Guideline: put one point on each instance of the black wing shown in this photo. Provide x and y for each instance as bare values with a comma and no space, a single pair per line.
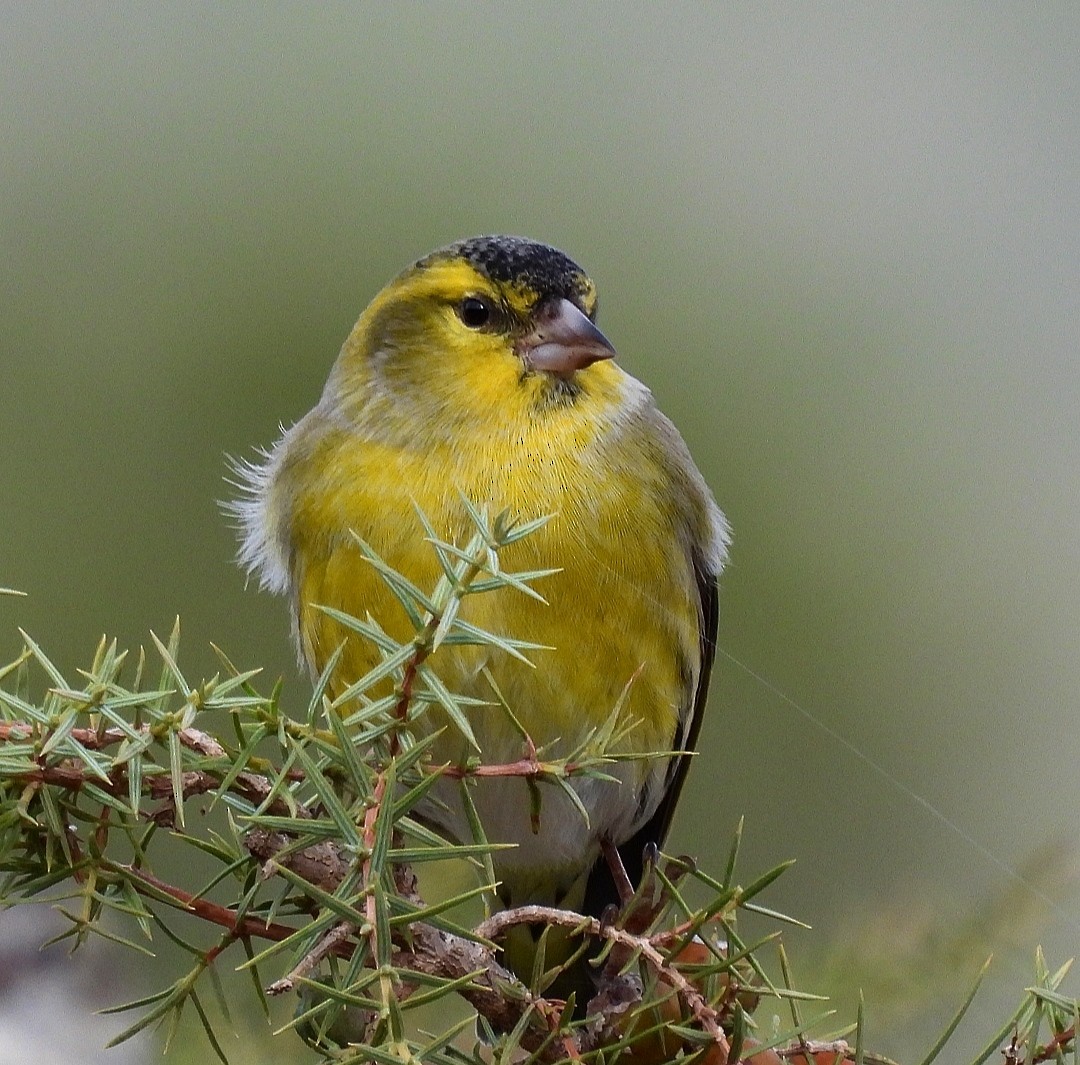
600,887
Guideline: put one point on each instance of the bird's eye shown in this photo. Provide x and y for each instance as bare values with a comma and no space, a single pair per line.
475,312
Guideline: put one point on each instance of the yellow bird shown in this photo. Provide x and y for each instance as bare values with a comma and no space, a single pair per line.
480,371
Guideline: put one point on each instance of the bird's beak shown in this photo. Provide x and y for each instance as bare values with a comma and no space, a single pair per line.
563,340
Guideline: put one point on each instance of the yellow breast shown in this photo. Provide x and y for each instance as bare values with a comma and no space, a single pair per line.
623,601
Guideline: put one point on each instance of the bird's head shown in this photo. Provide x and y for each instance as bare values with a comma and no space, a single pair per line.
483,325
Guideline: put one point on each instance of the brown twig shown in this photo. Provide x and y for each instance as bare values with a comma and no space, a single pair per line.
91,739
334,942
145,883
318,863
690,996
495,992
371,815
434,952
523,767
341,932
1055,1046
72,775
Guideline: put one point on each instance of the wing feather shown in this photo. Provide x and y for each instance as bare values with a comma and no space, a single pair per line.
600,888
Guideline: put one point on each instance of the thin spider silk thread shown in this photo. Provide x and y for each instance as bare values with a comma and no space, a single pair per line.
906,790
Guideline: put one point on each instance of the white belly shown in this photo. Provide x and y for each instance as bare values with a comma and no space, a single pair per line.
554,845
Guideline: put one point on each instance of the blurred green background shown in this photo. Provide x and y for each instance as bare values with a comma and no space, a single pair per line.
841,246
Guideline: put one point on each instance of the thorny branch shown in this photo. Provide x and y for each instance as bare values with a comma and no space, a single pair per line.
690,996
72,775
430,950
